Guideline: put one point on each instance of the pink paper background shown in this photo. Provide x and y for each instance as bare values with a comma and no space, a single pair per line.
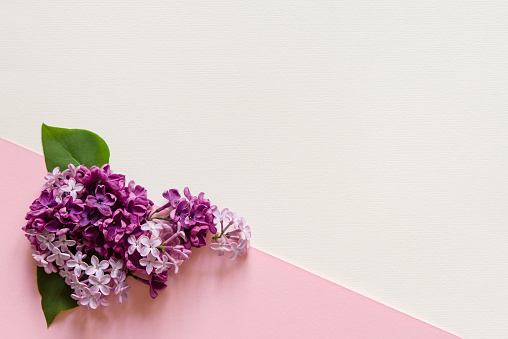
258,296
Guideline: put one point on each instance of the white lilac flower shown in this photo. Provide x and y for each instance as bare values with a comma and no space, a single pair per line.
152,226
121,290
72,188
51,177
40,258
58,256
92,299
221,246
166,264
100,283
219,216
244,231
96,267
174,255
69,173
177,264
79,293
235,218
116,268
135,244
58,197
65,273
50,268
150,262
78,263
75,284
63,242
120,278
237,249
150,246
45,242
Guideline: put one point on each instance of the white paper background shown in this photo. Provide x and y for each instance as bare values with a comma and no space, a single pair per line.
363,141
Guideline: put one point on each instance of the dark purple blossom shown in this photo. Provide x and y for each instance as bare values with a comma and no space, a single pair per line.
71,210
89,216
45,201
193,214
114,227
102,201
57,227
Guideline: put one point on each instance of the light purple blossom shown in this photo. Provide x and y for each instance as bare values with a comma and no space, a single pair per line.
221,217
152,226
237,240
46,241
150,246
77,263
121,290
99,282
135,244
150,262
166,264
243,231
75,284
235,218
40,258
237,249
96,267
65,273
51,178
72,188
90,298
116,268
221,246
69,172
63,242
50,268
58,257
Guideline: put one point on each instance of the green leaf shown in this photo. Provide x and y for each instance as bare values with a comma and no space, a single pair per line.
72,146
55,293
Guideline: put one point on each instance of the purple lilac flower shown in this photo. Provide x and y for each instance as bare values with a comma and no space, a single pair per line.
83,209
102,200
44,203
114,227
193,214
57,227
89,216
91,209
71,210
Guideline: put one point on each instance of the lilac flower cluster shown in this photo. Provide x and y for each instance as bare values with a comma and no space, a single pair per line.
236,241
87,212
95,231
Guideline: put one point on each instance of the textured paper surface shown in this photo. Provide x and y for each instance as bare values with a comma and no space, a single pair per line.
384,123
258,296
